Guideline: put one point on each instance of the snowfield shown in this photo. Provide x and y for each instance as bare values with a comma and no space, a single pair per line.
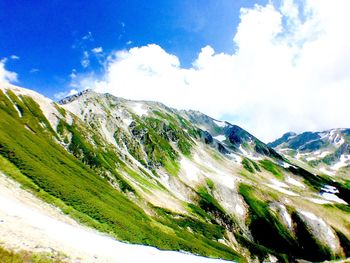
30,224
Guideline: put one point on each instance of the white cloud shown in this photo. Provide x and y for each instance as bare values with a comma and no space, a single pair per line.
14,57
97,50
290,71
85,61
6,75
88,36
34,70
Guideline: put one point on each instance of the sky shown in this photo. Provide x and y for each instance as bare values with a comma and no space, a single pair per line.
268,66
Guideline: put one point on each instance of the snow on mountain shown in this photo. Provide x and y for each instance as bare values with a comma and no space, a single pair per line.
327,151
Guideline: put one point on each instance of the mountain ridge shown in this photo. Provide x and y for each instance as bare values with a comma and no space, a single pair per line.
326,151
153,175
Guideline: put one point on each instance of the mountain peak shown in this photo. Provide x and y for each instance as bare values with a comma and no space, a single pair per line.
87,92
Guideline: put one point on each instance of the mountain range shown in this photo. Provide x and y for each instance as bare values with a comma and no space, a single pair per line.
180,180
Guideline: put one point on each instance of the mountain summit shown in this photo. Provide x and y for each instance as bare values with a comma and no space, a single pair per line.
178,180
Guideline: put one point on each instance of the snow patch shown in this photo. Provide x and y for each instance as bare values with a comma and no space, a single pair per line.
322,229
294,182
344,161
220,138
282,190
19,112
243,150
239,209
286,216
278,183
324,154
313,217
318,201
221,124
312,158
286,165
139,109
333,197
330,189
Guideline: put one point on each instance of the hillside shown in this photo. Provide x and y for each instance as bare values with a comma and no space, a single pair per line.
177,180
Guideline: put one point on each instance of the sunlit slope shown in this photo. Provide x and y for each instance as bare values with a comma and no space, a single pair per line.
177,180
30,143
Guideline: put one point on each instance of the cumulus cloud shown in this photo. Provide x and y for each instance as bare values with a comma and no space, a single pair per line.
6,75
290,71
97,50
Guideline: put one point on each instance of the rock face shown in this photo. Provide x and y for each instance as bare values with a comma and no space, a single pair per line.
177,180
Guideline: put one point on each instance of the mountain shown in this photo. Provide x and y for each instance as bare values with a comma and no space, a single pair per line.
327,151
178,180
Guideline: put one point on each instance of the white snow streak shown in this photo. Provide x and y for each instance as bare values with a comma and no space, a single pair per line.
333,197
221,124
220,138
294,182
344,161
282,190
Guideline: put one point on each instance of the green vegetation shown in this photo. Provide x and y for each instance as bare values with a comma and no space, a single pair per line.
206,234
210,184
272,168
60,110
196,210
312,249
273,237
246,165
269,233
208,203
7,256
256,166
101,159
78,183
250,165
154,137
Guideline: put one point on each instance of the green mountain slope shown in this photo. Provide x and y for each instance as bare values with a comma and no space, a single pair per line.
149,174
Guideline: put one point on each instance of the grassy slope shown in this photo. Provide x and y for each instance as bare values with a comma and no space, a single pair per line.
7,256
53,173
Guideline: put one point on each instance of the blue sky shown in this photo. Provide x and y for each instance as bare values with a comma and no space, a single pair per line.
270,66
50,37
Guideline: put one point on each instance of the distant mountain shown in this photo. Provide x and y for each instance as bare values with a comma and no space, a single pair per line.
178,180
231,137
327,151
281,140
